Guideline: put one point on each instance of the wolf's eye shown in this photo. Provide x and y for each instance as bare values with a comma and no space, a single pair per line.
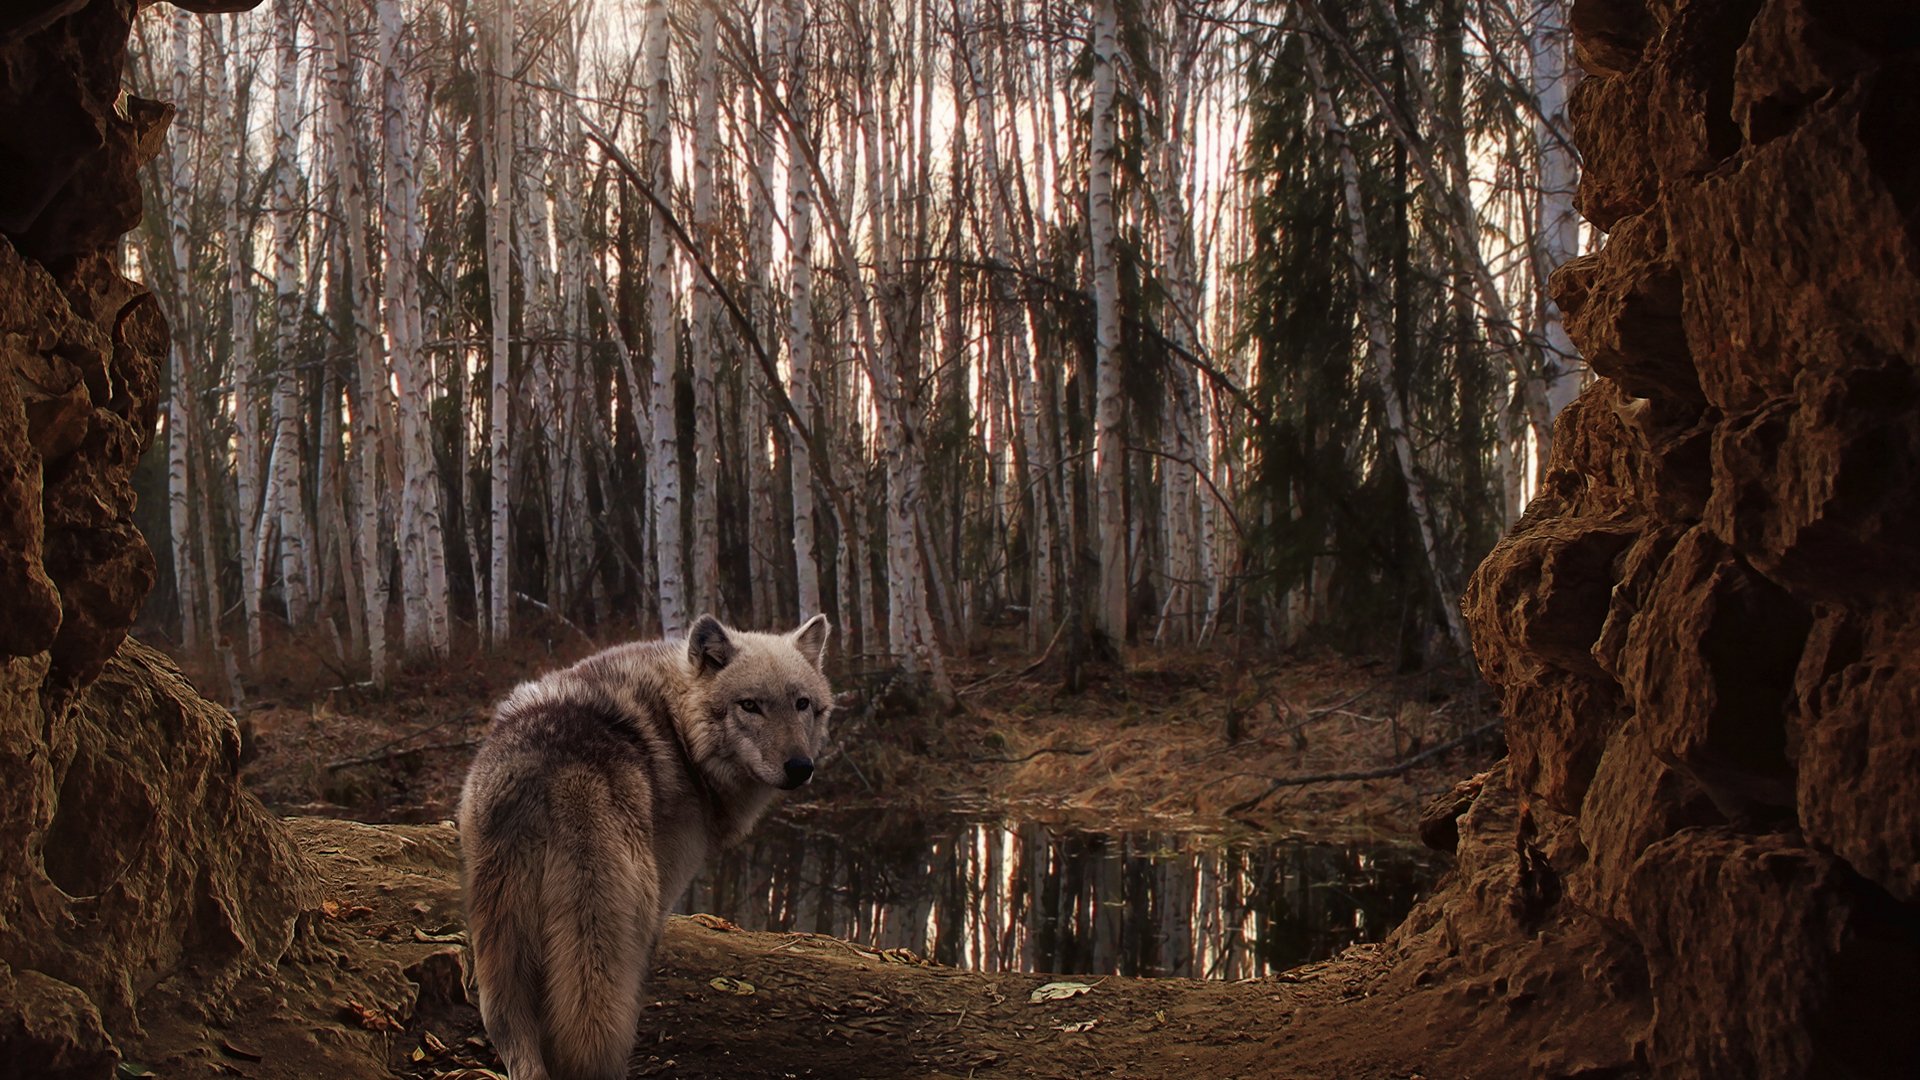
748,704
802,705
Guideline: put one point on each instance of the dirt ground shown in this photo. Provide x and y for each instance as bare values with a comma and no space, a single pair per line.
376,983
1150,749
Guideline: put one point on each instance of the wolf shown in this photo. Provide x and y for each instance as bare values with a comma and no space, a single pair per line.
595,798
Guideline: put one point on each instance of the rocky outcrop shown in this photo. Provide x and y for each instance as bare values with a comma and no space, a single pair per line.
129,856
1706,629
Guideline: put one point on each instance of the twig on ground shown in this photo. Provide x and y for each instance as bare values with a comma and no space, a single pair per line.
1381,773
1001,759
389,755
375,754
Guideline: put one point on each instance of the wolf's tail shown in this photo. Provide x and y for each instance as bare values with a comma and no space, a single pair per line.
599,923
503,925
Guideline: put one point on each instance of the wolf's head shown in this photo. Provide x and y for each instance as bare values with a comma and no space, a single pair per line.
765,695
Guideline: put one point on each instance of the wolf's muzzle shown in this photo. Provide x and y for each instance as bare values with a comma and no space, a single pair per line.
799,771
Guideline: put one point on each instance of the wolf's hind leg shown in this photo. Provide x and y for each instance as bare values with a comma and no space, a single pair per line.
601,918
503,923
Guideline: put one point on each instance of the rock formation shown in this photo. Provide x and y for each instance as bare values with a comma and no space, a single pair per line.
129,856
1706,630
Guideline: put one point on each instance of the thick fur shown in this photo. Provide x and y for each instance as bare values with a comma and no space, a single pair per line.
590,807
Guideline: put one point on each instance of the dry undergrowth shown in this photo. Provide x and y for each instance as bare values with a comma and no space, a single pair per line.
1150,748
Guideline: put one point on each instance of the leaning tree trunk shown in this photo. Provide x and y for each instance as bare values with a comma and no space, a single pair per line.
128,851
1380,350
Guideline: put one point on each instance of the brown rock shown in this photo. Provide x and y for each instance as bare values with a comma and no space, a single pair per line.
50,1031
1709,666
1635,801
1730,527
1767,960
1440,821
1855,742
132,866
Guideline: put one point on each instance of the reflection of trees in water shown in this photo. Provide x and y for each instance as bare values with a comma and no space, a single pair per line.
994,896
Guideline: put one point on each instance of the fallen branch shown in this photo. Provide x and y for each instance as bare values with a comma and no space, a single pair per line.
1023,672
1401,766
548,611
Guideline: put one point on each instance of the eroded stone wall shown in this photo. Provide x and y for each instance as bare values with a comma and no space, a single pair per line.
128,853
1706,631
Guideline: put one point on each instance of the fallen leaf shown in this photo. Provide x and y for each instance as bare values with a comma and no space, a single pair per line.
371,1019
713,922
1058,991
433,1042
127,1070
1077,1027
469,1074
453,938
727,984
228,1048
339,912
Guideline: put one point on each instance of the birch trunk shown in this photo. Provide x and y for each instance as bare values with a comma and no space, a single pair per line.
423,546
1556,234
704,561
763,590
246,416
286,504
800,198
180,421
369,405
499,621
663,463
1110,606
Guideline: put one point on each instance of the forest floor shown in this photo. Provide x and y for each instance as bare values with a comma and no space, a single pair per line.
1150,749
376,985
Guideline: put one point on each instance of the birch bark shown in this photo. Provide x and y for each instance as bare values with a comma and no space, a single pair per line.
1556,233
180,421
285,504
663,464
704,561
800,198
423,550
499,227
1110,606
370,423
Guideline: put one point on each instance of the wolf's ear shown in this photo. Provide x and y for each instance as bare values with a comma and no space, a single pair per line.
709,645
811,639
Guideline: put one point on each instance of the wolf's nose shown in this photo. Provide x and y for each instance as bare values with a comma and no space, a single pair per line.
799,771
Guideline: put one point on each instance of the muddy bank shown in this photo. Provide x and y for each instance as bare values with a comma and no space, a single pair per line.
374,982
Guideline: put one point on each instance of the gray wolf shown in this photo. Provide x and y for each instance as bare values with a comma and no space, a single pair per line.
594,800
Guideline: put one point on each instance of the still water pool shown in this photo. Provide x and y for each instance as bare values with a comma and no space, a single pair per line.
1022,896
